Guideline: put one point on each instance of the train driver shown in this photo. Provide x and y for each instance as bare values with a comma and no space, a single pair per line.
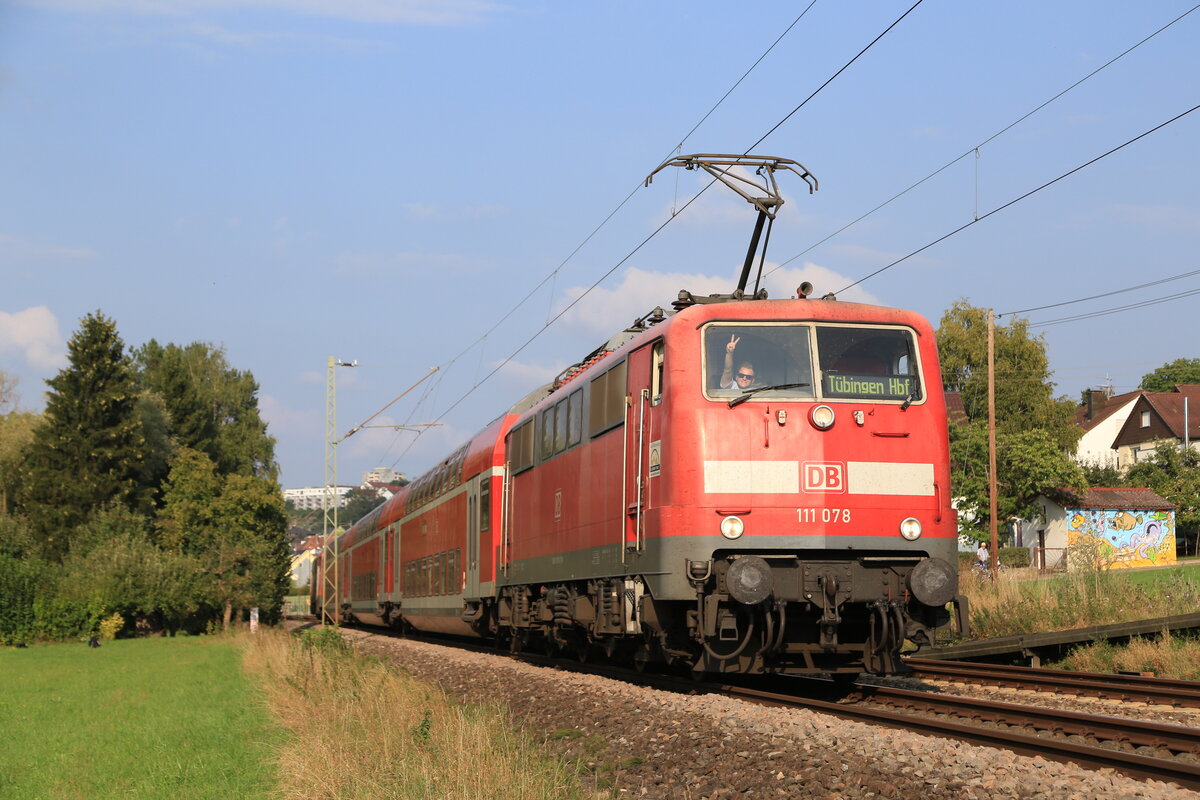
746,376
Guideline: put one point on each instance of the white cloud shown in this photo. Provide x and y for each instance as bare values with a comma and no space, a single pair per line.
285,420
605,311
33,334
527,375
412,12
866,255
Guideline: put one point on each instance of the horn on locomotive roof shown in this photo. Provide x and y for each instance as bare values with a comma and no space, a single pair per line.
763,194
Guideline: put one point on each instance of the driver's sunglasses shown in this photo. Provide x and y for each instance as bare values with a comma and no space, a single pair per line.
745,377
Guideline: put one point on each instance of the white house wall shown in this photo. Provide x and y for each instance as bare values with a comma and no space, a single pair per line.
1096,446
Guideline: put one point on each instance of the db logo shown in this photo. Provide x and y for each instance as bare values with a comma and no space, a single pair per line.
824,476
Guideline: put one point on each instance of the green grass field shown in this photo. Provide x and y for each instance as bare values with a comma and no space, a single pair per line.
140,718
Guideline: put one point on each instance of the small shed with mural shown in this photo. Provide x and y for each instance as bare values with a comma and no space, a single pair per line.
1105,529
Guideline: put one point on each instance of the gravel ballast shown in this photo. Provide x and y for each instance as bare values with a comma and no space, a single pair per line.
648,743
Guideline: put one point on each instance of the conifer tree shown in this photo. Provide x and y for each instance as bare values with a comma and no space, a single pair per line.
87,451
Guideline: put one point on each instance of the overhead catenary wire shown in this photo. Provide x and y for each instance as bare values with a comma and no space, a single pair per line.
1105,294
554,273
693,199
1016,200
1116,310
975,149
654,233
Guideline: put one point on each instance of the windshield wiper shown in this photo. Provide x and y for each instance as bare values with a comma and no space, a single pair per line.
746,396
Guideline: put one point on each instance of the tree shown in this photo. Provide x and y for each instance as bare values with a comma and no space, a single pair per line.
212,407
1168,376
1175,475
359,503
87,452
1035,430
1028,462
16,435
1024,392
236,528
8,393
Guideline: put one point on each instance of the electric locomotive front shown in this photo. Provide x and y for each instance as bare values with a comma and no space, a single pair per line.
794,514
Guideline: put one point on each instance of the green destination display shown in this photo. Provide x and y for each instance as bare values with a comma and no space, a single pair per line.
868,387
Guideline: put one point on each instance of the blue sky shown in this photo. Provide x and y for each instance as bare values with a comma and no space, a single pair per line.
384,180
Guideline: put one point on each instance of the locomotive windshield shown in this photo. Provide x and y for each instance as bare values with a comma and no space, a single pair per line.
775,359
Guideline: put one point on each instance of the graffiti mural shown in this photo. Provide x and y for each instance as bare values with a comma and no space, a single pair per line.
1107,538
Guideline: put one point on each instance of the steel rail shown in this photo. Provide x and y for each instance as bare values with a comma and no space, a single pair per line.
1131,732
1089,756
1181,694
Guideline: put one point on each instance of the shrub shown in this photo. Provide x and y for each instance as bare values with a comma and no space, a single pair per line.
110,626
1014,557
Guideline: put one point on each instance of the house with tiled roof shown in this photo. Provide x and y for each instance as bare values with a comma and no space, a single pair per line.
1103,528
1121,430
1101,417
1158,418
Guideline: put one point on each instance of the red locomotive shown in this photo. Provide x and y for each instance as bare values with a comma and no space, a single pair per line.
744,486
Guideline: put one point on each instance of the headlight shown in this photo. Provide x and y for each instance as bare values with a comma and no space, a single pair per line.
732,527
822,417
910,529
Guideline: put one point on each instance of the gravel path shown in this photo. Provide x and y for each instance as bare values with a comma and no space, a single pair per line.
646,743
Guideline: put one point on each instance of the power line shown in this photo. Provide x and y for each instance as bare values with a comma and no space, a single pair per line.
1016,200
629,196
986,141
1117,309
554,273
656,231
1105,294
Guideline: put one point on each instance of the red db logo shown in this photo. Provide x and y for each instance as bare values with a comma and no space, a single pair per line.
824,476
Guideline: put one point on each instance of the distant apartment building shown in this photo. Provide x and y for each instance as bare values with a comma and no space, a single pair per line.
385,475
311,498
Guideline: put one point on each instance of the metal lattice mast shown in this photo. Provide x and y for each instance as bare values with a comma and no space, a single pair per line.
329,502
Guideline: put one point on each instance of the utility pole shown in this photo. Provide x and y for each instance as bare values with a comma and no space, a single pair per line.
330,584
991,355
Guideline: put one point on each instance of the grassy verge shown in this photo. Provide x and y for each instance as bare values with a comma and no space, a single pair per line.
371,732
139,718
1167,656
1013,605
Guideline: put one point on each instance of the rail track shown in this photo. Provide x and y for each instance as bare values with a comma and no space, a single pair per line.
1140,749
1144,750
1127,688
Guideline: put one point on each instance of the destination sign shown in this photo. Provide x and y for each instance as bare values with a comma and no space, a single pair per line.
869,387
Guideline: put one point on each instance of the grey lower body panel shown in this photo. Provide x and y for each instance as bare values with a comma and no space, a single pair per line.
663,560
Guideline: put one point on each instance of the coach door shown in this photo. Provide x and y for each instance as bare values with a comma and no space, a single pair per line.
471,571
642,401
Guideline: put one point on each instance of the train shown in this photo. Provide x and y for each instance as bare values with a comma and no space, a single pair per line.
737,485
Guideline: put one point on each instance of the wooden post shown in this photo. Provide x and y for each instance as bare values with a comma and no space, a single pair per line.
991,353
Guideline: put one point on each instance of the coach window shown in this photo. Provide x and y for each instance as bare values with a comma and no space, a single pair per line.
560,426
520,447
485,507
606,399
656,374
547,432
575,418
